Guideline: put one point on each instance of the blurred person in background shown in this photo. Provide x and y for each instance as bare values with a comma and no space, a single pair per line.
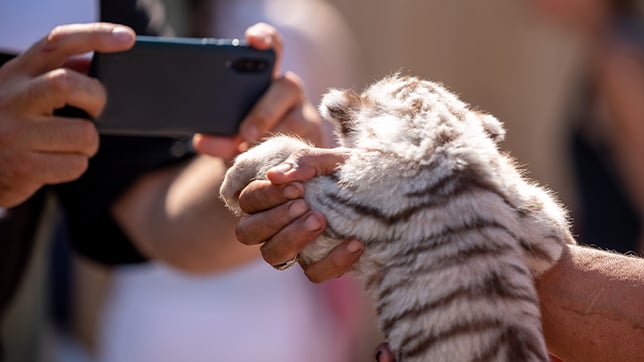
154,312
136,195
607,139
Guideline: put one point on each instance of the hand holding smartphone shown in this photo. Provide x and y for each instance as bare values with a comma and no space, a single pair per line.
181,86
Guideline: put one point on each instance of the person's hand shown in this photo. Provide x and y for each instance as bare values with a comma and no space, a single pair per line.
282,221
282,108
37,147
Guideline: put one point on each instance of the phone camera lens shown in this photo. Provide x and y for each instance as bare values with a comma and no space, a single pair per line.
248,65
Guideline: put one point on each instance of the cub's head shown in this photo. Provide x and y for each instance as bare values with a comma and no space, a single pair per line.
406,114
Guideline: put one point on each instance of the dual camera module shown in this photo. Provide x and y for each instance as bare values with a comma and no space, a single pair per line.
248,65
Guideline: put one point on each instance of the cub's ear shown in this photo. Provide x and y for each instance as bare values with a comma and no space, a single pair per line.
492,126
339,106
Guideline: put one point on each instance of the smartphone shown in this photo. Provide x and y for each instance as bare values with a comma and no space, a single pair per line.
180,86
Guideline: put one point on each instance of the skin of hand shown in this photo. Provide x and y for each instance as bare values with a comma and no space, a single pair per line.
282,222
37,147
173,215
283,108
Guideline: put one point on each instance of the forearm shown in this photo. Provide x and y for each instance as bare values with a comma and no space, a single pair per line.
176,216
592,304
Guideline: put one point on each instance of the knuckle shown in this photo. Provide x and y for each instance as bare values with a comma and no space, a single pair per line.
266,251
22,169
88,138
55,34
9,68
263,117
240,233
79,166
248,202
244,202
55,37
76,166
10,133
99,28
13,193
336,264
100,92
60,80
312,276
292,81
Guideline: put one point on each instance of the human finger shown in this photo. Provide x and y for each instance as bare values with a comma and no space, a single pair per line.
289,241
216,146
339,261
304,121
62,167
60,87
13,194
65,41
49,168
283,94
305,164
262,226
61,135
264,36
262,195
79,64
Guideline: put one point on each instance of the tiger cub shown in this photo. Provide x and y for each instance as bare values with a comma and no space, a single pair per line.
454,235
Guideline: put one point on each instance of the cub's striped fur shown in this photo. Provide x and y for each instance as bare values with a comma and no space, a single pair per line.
454,234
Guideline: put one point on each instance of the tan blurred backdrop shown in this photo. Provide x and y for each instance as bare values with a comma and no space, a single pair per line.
497,54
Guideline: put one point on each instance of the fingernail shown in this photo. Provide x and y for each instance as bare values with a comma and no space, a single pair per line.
282,167
354,246
312,223
291,192
122,34
260,33
298,208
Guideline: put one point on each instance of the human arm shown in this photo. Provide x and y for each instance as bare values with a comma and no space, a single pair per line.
175,214
592,305
36,146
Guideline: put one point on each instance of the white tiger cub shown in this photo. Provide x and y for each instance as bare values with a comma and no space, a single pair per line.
454,236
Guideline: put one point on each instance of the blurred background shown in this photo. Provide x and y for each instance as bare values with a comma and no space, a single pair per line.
530,63
498,55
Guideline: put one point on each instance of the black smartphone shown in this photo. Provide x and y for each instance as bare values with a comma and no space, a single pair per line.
180,86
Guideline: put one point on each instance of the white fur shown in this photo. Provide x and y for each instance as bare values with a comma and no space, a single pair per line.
406,136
